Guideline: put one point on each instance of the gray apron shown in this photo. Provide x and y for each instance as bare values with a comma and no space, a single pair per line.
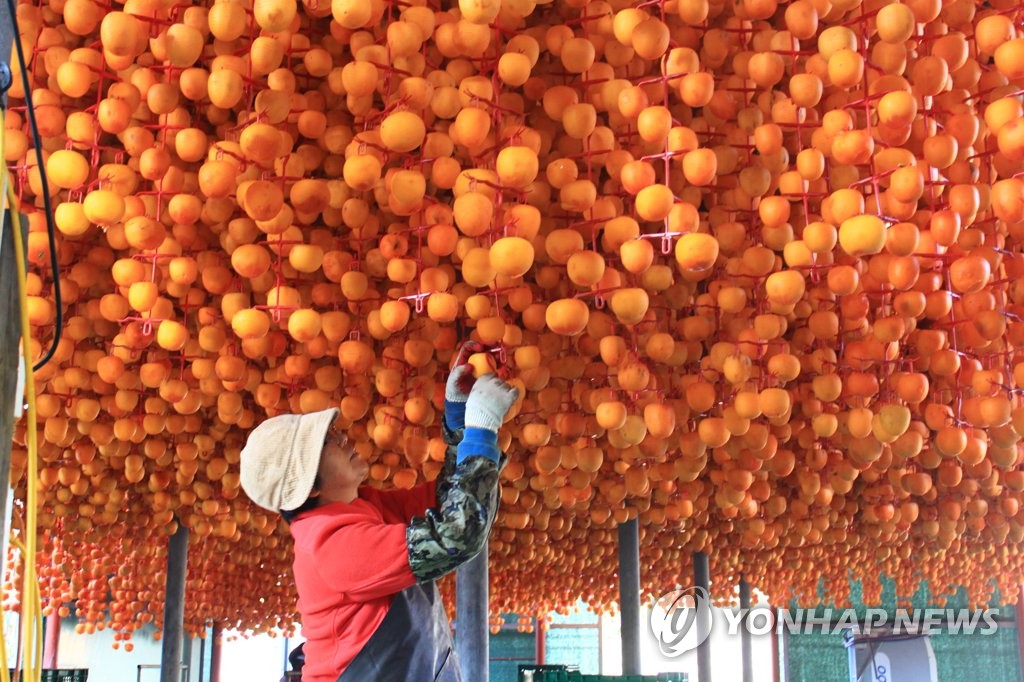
412,644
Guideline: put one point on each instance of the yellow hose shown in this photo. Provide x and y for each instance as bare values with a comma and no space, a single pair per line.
5,674
31,606
36,601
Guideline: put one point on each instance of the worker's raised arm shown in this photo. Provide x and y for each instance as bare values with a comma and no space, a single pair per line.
406,504
456,392
454,531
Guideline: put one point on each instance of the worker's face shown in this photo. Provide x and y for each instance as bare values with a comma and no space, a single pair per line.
341,469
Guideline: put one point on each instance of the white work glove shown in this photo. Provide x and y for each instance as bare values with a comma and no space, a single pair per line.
489,401
457,387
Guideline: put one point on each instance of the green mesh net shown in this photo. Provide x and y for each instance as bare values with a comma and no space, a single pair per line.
822,657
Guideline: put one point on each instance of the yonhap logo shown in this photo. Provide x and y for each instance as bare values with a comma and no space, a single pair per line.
675,614
681,620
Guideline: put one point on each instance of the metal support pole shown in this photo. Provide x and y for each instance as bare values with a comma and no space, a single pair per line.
6,38
702,579
629,595
202,658
174,605
10,312
10,328
784,667
51,641
186,654
748,659
776,673
541,641
472,631
215,651
284,670
1019,614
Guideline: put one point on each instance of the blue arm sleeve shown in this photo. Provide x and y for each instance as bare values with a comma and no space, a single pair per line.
455,414
478,442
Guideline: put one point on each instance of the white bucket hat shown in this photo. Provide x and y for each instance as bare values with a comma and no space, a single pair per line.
281,457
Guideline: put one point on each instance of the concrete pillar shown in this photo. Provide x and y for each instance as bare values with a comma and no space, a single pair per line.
748,659
472,629
174,605
702,579
629,595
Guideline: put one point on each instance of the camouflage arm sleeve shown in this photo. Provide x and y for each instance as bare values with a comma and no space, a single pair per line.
454,532
452,438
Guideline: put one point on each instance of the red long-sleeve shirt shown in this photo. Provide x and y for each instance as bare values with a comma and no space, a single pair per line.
350,560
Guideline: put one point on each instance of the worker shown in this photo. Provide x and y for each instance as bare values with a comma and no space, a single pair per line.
366,559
